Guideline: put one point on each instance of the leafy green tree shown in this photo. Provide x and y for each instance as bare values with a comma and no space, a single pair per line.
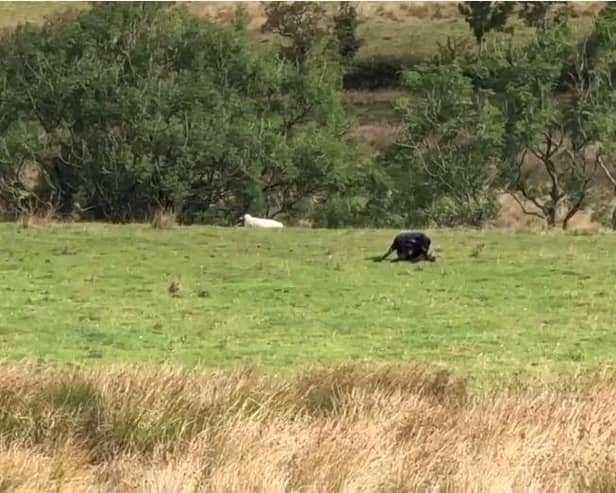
601,52
548,168
452,145
599,45
538,14
346,23
136,106
301,24
484,17
22,186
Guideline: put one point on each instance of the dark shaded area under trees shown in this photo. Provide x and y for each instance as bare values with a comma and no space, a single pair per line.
131,107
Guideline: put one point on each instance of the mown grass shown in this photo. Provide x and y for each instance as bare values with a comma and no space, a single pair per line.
343,429
494,304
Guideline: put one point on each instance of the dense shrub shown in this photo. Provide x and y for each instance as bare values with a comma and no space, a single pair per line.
129,108
132,108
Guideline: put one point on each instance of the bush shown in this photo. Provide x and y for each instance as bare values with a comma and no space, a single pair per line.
449,213
346,23
167,108
446,159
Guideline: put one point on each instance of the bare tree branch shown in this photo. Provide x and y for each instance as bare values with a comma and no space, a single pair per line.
523,208
606,170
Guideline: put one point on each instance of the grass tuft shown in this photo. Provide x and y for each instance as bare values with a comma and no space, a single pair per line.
164,218
29,218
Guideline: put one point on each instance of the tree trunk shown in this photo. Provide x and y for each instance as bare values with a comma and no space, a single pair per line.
550,216
614,219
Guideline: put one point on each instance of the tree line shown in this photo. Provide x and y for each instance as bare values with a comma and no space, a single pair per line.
130,107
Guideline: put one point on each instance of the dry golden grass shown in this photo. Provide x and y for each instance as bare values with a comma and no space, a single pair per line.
511,217
377,135
16,12
164,218
341,429
223,11
388,96
29,218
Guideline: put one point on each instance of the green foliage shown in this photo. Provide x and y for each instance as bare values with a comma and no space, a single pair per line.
452,145
556,132
600,45
600,49
538,14
134,107
301,23
483,17
345,30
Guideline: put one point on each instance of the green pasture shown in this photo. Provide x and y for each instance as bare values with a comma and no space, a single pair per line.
495,303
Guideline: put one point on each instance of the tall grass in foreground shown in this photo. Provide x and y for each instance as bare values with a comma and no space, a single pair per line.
343,429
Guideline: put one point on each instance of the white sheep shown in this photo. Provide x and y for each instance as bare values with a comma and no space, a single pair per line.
258,222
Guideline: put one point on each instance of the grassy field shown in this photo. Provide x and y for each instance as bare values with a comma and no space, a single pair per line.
226,397
495,304
339,430
399,29
15,13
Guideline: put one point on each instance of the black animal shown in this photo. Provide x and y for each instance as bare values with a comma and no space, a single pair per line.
410,246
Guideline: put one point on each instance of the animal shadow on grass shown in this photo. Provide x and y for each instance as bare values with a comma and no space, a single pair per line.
379,258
